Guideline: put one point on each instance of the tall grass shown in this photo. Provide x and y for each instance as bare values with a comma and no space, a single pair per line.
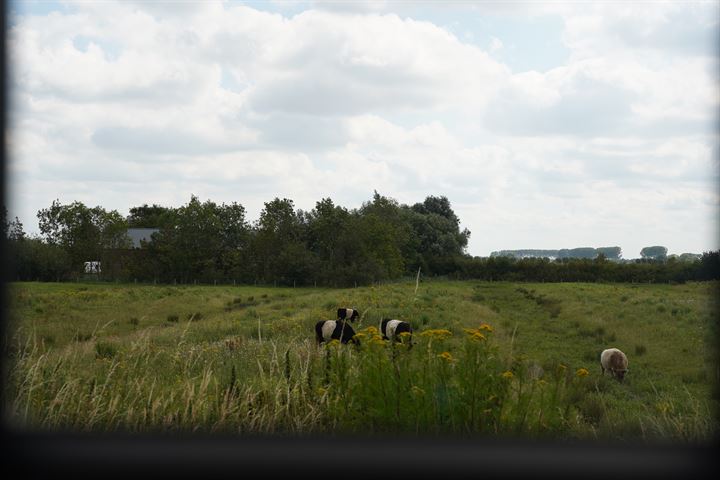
465,373
379,387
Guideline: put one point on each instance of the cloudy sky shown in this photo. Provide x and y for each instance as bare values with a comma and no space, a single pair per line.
546,124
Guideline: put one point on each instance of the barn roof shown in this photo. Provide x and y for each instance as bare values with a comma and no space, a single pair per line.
138,234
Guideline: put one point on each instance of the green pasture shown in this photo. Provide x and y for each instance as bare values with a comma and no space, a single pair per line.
243,359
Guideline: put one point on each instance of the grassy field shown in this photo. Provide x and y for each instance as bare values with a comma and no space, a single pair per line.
511,359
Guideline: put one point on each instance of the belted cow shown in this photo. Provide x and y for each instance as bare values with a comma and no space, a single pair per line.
392,328
340,329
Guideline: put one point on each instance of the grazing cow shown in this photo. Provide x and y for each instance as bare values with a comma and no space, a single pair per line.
391,329
347,314
614,361
326,330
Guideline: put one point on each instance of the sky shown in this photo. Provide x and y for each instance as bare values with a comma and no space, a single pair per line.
547,125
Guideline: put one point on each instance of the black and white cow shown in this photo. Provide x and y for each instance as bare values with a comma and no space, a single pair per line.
391,329
347,314
326,330
340,329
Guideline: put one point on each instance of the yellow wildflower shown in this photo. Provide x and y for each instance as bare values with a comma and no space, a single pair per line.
582,372
359,335
508,374
404,334
371,330
486,327
417,390
436,332
446,356
334,342
474,333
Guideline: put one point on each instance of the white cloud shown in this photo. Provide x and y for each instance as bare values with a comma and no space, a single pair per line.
231,103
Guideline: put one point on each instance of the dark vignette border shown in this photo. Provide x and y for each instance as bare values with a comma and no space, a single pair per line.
28,454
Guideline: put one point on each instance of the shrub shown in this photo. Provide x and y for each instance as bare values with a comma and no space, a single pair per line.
592,409
239,303
554,310
105,350
173,318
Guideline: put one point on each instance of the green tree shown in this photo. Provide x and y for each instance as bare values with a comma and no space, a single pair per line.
86,234
385,237
690,257
145,216
278,244
12,230
234,255
611,253
709,266
436,235
32,259
656,252
331,237
201,241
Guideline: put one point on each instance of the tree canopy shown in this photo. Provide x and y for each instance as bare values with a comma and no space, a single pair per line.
330,245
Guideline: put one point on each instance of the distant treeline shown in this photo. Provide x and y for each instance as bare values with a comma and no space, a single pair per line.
599,269
656,252
611,253
206,242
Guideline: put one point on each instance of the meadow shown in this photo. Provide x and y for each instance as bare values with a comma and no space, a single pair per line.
487,359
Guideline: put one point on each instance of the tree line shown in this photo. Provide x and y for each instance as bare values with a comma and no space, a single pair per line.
330,245
611,253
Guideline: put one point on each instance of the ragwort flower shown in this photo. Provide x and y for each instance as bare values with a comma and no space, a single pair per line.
371,330
436,332
446,356
474,333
